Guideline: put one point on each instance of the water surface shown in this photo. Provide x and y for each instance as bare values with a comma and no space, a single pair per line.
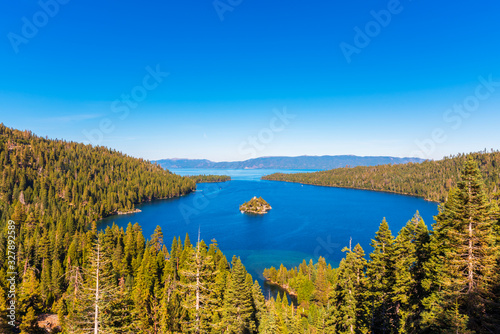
306,221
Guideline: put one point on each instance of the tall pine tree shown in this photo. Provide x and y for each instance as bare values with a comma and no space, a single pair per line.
463,268
238,314
409,257
345,310
380,275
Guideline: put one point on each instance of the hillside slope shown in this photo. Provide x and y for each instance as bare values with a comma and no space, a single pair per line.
431,179
52,192
51,179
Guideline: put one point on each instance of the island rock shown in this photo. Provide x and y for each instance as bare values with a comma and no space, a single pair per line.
256,206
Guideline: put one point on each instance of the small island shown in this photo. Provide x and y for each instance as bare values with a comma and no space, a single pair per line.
256,206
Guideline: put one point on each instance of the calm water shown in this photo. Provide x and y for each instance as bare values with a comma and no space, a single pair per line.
305,222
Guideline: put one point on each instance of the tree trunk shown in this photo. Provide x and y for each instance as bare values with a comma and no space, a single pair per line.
470,264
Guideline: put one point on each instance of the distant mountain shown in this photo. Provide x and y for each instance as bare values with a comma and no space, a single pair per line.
302,162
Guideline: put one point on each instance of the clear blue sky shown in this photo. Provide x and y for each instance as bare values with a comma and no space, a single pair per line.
66,73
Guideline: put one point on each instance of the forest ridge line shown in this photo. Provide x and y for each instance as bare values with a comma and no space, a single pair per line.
430,180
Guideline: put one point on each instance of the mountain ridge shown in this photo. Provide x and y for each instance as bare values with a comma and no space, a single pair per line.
323,162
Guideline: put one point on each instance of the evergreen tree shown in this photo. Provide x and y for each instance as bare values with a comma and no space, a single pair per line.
146,292
345,306
198,282
463,268
269,324
219,291
409,257
321,284
29,292
4,326
259,304
238,313
380,271
28,323
118,317
96,304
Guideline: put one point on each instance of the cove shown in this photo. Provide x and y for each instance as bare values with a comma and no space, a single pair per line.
305,221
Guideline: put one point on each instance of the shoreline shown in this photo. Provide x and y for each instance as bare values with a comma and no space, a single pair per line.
285,288
136,210
118,213
356,188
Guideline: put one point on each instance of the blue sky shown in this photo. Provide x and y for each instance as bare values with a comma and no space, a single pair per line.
163,79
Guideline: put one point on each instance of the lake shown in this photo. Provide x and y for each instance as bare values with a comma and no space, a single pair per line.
305,221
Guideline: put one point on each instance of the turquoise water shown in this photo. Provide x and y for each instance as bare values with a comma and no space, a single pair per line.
305,222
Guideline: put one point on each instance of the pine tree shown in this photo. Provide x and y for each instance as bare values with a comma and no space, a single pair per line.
4,326
28,323
259,304
57,279
95,297
409,257
219,291
198,282
269,323
29,292
321,284
118,317
146,292
238,304
345,305
380,277
463,266
304,290
280,316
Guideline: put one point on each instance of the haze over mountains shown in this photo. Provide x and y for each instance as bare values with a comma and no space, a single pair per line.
301,162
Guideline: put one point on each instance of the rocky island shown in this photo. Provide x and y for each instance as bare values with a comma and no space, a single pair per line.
256,206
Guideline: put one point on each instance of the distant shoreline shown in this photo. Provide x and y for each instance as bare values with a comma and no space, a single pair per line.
325,162
354,188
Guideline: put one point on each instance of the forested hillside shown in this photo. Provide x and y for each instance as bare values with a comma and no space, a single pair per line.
53,190
430,179
142,287
441,281
51,178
